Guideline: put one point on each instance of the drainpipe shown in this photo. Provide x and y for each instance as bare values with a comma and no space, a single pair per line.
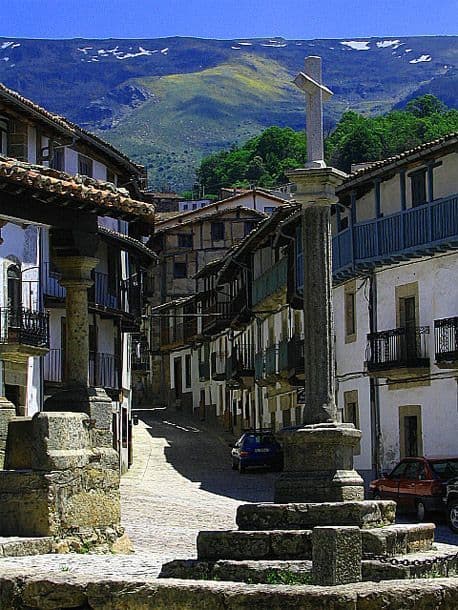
373,384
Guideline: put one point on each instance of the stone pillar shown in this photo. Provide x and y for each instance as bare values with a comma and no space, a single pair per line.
319,454
336,555
76,279
78,396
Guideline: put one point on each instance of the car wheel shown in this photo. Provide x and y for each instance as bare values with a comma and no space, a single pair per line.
421,510
452,516
242,468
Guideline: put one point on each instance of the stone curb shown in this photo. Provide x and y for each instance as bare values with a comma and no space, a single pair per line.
44,592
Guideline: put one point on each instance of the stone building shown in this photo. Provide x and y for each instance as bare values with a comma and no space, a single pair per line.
395,233
44,152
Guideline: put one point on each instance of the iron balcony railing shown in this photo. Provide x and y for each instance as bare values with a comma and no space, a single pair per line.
398,348
272,359
269,282
446,339
103,371
24,326
140,362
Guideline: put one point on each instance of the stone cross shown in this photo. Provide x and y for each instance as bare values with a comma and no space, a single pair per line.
316,93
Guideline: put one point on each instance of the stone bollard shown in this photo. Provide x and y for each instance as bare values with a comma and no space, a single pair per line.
336,555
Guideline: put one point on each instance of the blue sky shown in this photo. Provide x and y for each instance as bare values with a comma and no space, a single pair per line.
226,18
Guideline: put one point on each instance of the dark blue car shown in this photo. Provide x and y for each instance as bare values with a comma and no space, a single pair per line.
257,449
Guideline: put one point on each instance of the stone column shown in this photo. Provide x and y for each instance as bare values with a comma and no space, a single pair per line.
77,396
319,454
76,279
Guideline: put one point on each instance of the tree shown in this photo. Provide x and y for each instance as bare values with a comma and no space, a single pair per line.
426,105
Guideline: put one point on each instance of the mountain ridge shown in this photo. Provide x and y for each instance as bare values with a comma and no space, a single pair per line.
168,101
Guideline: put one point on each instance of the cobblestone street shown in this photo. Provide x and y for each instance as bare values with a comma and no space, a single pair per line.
181,482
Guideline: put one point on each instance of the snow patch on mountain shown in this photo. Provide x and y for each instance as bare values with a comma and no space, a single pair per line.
384,44
10,45
421,59
357,45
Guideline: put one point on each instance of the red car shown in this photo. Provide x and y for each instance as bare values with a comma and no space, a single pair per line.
417,484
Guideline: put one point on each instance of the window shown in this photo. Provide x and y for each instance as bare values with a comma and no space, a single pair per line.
185,240
185,206
418,187
84,166
351,412
249,226
58,158
14,288
180,270
350,312
269,210
194,206
410,431
217,231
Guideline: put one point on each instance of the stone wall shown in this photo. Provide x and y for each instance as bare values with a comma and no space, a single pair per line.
54,592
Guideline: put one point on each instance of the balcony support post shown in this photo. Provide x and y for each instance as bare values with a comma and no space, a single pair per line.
77,395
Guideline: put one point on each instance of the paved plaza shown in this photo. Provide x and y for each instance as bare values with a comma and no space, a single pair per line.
181,482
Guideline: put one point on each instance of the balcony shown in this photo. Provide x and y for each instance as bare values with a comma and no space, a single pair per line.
241,363
172,335
399,352
140,362
217,314
218,366
270,283
103,371
23,332
408,232
260,368
446,342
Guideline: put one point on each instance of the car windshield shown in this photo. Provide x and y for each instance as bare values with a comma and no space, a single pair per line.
445,469
252,440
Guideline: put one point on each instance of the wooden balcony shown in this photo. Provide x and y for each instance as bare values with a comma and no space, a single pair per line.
270,285
23,332
399,352
446,342
389,239
241,363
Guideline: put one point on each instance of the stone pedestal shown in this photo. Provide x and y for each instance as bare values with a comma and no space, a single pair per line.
337,555
319,465
60,483
7,412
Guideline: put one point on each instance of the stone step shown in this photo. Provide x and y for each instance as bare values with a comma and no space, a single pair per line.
235,544
252,572
398,539
294,516
16,546
441,561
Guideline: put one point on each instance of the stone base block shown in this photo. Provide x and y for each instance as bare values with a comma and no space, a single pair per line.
337,554
398,539
215,545
95,402
21,547
365,514
58,503
319,465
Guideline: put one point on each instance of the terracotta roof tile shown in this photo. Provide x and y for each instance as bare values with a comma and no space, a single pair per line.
102,194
